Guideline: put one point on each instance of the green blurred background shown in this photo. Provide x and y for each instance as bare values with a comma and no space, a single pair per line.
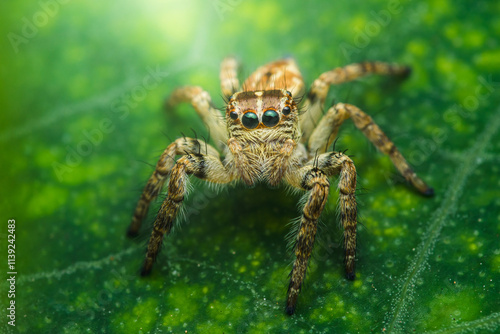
82,121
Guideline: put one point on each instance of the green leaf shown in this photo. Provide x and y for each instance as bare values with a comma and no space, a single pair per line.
83,94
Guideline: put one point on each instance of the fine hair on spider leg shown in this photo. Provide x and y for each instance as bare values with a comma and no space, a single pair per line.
294,224
293,229
206,144
291,243
181,215
301,108
328,236
167,136
196,140
318,245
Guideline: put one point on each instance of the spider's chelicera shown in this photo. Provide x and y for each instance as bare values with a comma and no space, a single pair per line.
265,138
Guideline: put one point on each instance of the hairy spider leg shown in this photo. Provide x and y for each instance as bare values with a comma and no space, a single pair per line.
161,173
229,83
337,163
314,177
202,103
336,115
317,93
204,166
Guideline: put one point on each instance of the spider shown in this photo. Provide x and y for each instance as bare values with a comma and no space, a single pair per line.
266,137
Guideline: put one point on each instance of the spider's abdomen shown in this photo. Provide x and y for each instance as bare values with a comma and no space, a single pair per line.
281,74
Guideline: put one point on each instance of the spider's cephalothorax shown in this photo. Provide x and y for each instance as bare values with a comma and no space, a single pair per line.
264,138
260,125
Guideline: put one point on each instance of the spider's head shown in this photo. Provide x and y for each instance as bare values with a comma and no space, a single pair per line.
263,110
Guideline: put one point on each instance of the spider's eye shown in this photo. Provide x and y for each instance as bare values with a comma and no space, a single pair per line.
286,110
250,120
233,115
289,93
270,118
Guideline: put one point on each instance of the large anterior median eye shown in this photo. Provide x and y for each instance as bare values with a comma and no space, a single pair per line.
270,118
250,120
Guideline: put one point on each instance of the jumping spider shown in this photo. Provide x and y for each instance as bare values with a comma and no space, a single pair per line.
264,136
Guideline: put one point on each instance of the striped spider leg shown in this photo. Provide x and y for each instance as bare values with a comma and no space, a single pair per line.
314,177
328,126
203,105
204,166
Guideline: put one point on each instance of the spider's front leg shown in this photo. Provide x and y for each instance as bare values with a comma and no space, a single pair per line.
314,177
316,182
205,167
161,174
337,163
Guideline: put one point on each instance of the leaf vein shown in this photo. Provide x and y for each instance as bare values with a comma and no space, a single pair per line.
470,160
489,323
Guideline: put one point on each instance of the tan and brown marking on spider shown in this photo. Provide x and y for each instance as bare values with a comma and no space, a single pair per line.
263,138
